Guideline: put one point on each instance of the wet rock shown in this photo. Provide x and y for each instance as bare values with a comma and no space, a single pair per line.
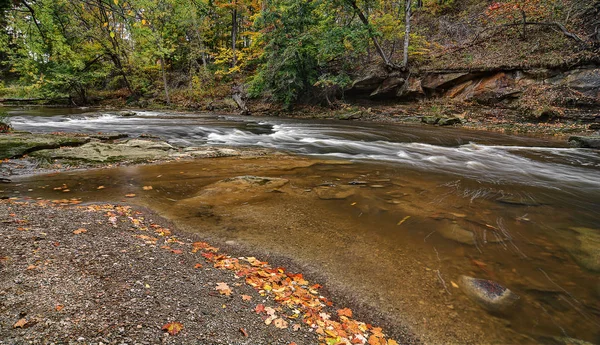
19,144
489,294
455,232
109,136
449,121
592,142
127,113
334,193
131,150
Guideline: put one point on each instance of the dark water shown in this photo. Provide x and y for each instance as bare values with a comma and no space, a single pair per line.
523,212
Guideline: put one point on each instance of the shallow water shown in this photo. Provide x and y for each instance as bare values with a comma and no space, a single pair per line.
505,208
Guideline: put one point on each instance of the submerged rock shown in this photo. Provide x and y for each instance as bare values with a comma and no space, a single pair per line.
334,193
592,142
456,233
489,294
127,113
517,200
235,190
586,249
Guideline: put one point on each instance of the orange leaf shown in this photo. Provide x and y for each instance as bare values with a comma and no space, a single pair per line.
198,266
259,308
59,307
173,328
246,297
345,312
177,251
129,195
223,289
392,342
244,332
280,323
31,267
79,231
20,324
147,188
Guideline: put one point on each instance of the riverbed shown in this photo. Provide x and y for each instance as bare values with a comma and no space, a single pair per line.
391,215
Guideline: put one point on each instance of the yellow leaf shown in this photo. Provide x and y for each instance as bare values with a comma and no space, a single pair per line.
403,220
173,328
105,24
112,34
100,187
143,21
116,2
454,285
223,289
392,342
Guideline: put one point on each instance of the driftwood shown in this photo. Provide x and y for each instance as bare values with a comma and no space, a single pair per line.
238,94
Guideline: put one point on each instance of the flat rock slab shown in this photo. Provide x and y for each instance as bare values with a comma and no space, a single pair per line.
130,150
487,293
14,145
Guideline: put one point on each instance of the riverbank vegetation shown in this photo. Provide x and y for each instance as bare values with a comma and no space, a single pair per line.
197,53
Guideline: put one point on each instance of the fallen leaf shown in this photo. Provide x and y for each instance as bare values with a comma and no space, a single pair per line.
59,307
454,285
66,190
244,332
280,323
259,308
100,187
79,231
147,188
345,312
270,311
129,195
223,289
31,267
296,327
20,324
177,251
173,328
198,266
392,342
246,297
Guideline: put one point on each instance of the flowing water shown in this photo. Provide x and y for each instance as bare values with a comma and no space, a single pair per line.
393,214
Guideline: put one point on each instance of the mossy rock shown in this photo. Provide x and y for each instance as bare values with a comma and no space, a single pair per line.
14,145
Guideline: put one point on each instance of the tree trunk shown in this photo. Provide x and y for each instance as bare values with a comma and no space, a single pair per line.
407,14
233,34
365,21
200,41
164,76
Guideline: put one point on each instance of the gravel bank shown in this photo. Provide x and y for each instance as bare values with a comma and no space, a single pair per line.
91,274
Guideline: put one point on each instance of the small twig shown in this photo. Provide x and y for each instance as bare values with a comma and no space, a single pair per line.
443,282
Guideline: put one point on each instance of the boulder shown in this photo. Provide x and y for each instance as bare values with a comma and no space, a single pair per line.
127,113
488,294
350,116
592,142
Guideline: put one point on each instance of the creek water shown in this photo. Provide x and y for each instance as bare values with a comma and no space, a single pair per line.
391,214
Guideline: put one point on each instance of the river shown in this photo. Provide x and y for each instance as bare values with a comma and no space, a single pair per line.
421,206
